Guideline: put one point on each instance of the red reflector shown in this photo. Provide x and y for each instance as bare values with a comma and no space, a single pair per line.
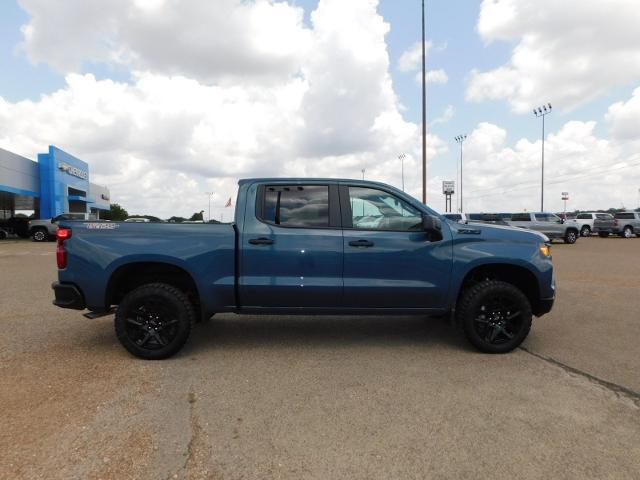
63,233
61,255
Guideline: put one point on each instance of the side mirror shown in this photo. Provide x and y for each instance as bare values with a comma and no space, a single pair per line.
431,224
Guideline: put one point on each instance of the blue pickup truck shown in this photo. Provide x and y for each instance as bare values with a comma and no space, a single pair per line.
306,246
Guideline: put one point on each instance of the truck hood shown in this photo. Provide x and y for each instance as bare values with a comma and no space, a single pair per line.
498,232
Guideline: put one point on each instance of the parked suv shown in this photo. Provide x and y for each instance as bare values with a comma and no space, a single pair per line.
584,221
42,230
456,217
625,224
548,223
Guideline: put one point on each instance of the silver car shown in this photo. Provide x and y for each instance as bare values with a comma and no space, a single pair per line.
548,223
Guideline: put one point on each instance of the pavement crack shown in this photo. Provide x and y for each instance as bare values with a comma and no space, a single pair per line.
618,390
195,431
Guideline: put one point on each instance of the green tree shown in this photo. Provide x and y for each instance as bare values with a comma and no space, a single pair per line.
197,216
175,219
115,213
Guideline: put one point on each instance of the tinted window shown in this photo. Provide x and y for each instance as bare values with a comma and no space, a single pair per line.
520,217
373,209
584,216
296,205
624,216
475,216
453,216
604,216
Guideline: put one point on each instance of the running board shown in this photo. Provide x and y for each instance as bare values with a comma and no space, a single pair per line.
92,315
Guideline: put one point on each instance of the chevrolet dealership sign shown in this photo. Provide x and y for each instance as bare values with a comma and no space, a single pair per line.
75,171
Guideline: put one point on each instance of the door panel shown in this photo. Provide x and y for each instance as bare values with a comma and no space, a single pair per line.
386,268
291,266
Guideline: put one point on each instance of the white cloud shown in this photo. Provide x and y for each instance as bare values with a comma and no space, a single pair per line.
438,76
567,52
209,41
411,59
446,116
597,173
160,141
624,118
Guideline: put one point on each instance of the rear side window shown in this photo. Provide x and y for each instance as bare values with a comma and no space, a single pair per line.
584,216
296,205
521,217
624,216
604,216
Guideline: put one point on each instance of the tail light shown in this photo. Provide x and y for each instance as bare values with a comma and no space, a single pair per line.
61,254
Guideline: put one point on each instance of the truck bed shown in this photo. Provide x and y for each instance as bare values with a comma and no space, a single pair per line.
96,250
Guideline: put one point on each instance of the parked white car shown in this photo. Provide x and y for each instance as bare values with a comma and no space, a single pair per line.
584,221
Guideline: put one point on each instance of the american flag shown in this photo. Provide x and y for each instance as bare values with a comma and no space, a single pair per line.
228,204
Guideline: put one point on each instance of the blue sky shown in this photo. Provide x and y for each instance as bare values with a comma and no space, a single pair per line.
458,48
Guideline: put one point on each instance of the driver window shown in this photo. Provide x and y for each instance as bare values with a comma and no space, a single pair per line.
373,209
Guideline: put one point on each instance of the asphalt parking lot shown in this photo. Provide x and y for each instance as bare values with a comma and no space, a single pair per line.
326,397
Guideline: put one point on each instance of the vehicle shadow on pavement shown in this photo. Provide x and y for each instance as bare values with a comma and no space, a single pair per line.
231,331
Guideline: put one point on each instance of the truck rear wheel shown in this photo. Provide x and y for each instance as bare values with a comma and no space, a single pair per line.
154,321
495,316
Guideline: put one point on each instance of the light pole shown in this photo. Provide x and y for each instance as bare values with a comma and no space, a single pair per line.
460,139
542,112
424,117
402,156
362,173
209,194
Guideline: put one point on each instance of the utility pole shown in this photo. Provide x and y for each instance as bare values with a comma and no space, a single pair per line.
424,117
542,112
460,139
210,194
362,173
402,156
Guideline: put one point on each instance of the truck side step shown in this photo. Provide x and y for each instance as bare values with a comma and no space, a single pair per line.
92,315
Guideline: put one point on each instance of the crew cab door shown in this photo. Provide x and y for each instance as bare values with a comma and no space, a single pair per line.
389,260
549,224
291,247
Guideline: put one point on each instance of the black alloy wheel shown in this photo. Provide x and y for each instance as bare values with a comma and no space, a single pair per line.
496,316
154,321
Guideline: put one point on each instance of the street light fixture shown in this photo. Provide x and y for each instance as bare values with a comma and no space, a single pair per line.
542,112
460,139
402,156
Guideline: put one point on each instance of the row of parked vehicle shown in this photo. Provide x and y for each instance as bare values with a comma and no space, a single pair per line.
624,224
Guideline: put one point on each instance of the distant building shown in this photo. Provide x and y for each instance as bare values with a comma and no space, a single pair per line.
57,183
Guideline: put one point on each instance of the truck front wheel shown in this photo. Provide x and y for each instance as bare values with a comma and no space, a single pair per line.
154,321
496,316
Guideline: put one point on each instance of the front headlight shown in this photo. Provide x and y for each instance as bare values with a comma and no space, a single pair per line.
545,250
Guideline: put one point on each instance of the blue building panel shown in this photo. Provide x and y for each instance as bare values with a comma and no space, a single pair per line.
60,171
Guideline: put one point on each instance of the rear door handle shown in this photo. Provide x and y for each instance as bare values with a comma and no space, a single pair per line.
261,241
361,243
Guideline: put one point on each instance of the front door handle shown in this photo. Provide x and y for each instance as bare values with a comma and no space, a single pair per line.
361,243
261,241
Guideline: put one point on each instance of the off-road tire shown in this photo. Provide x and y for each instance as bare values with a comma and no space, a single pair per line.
40,235
585,231
571,236
469,313
142,312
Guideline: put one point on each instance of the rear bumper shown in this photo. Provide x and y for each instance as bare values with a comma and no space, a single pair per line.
68,295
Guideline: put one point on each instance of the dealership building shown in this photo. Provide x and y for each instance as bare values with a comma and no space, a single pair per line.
57,183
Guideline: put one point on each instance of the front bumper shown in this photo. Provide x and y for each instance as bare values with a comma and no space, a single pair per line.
544,306
67,295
